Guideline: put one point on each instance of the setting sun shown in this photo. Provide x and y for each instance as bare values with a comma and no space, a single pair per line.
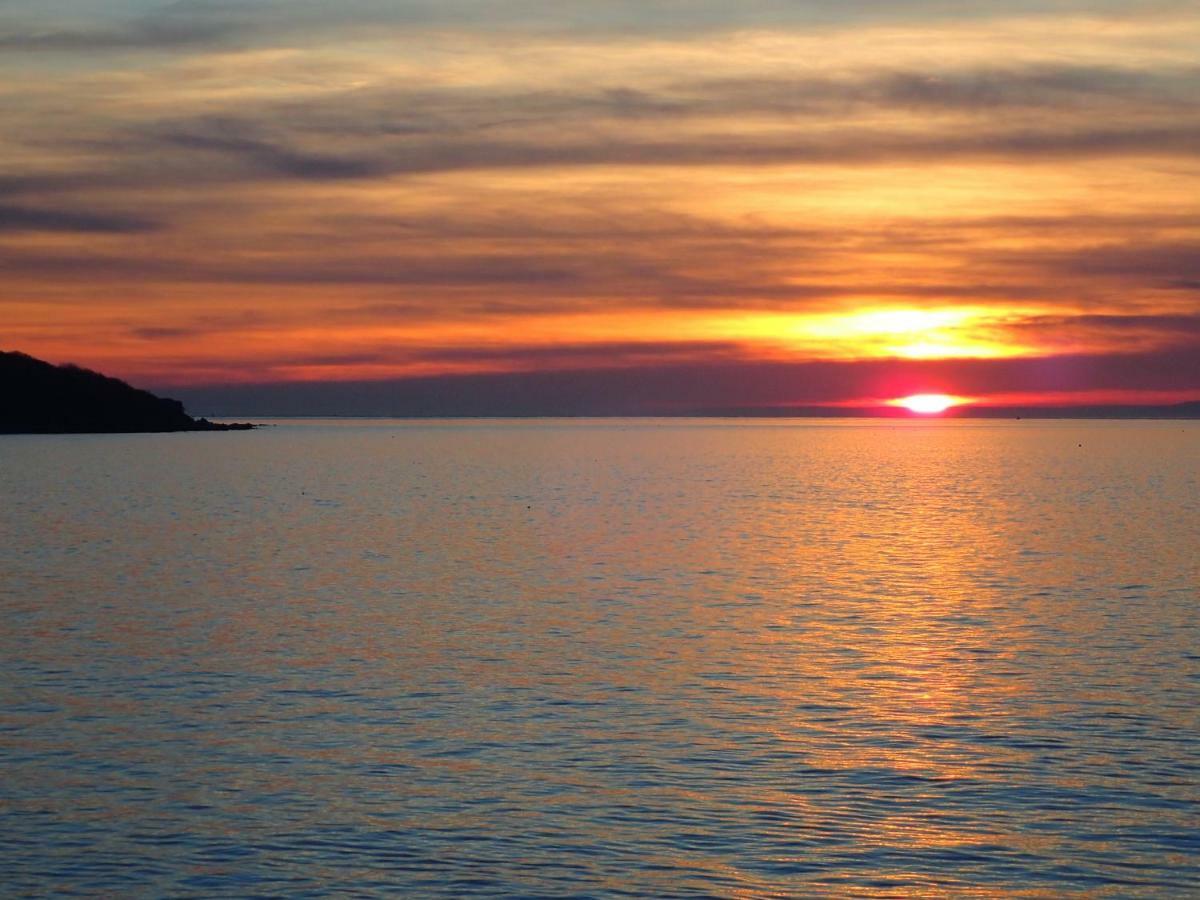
928,404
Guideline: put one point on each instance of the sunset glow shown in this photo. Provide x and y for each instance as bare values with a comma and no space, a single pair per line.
928,404
743,205
739,448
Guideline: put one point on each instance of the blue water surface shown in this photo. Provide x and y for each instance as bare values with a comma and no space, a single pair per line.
603,658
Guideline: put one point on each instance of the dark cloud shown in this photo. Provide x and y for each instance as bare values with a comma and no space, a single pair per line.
381,133
582,278
72,267
565,356
295,20
174,27
695,386
1035,87
153,333
26,218
15,184
202,326
1164,263
848,146
238,139
1163,333
574,355
1089,90
664,263
1187,326
447,271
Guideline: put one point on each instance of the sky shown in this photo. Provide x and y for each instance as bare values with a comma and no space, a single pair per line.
604,205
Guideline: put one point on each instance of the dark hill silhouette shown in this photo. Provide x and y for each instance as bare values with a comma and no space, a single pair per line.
39,398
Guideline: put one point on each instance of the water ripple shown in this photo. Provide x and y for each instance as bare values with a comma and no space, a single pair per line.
544,659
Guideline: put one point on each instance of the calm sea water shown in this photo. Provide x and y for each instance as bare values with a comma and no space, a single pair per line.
687,658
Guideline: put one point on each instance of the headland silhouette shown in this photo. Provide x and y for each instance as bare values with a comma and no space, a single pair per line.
37,397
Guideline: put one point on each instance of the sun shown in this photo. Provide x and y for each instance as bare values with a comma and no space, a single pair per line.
928,404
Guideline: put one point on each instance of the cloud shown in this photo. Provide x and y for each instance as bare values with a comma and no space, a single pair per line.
370,167
1121,334
1182,325
280,157
696,386
236,139
576,355
564,356
489,267
389,132
450,270
174,27
146,161
152,333
53,28
948,89
388,110
25,218
872,118
1165,263
203,326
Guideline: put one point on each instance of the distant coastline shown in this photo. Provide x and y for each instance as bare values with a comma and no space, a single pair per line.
37,397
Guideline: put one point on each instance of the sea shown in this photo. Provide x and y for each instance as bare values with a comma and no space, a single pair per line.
603,658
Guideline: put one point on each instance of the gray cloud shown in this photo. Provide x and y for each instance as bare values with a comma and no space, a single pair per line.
237,139
1183,325
1065,112
1135,332
401,130
848,146
1163,263
76,28
203,325
580,355
152,333
563,261
173,27
26,218
689,386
